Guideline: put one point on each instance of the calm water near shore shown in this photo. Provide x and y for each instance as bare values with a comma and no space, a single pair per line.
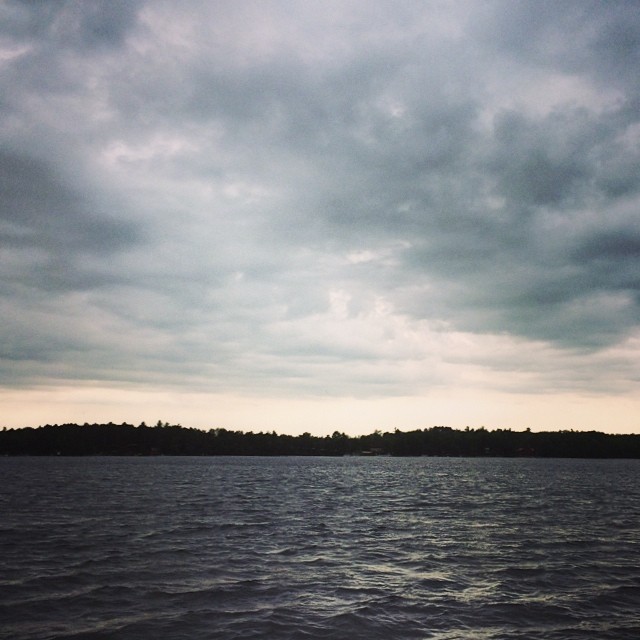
252,548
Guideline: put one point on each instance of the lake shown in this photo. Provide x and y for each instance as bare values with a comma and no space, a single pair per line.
344,548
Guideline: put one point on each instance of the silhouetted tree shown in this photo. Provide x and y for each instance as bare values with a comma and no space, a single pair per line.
166,439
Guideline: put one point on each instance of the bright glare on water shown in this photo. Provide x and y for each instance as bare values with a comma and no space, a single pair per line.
251,548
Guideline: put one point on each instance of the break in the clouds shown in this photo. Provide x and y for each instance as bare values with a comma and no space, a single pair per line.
351,198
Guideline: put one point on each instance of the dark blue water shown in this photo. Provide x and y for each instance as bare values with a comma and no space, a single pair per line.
319,548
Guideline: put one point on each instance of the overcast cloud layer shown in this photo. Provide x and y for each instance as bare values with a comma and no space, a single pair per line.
346,198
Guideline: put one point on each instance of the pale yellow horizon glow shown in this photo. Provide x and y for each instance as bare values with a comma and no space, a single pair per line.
321,416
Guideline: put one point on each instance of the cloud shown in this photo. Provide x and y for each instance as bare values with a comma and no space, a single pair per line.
604,39
355,200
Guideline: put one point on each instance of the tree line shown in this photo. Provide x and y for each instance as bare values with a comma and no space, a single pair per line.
176,440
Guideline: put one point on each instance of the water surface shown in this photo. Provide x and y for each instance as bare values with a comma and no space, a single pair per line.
208,548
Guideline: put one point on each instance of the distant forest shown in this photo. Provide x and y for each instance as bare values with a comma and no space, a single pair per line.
175,440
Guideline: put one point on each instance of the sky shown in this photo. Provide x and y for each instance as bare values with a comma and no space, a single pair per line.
342,215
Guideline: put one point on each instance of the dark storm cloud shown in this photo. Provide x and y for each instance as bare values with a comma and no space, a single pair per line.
595,37
43,217
83,24
39,208
565,182
228,184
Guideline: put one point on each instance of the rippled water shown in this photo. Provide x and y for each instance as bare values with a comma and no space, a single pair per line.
319,548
